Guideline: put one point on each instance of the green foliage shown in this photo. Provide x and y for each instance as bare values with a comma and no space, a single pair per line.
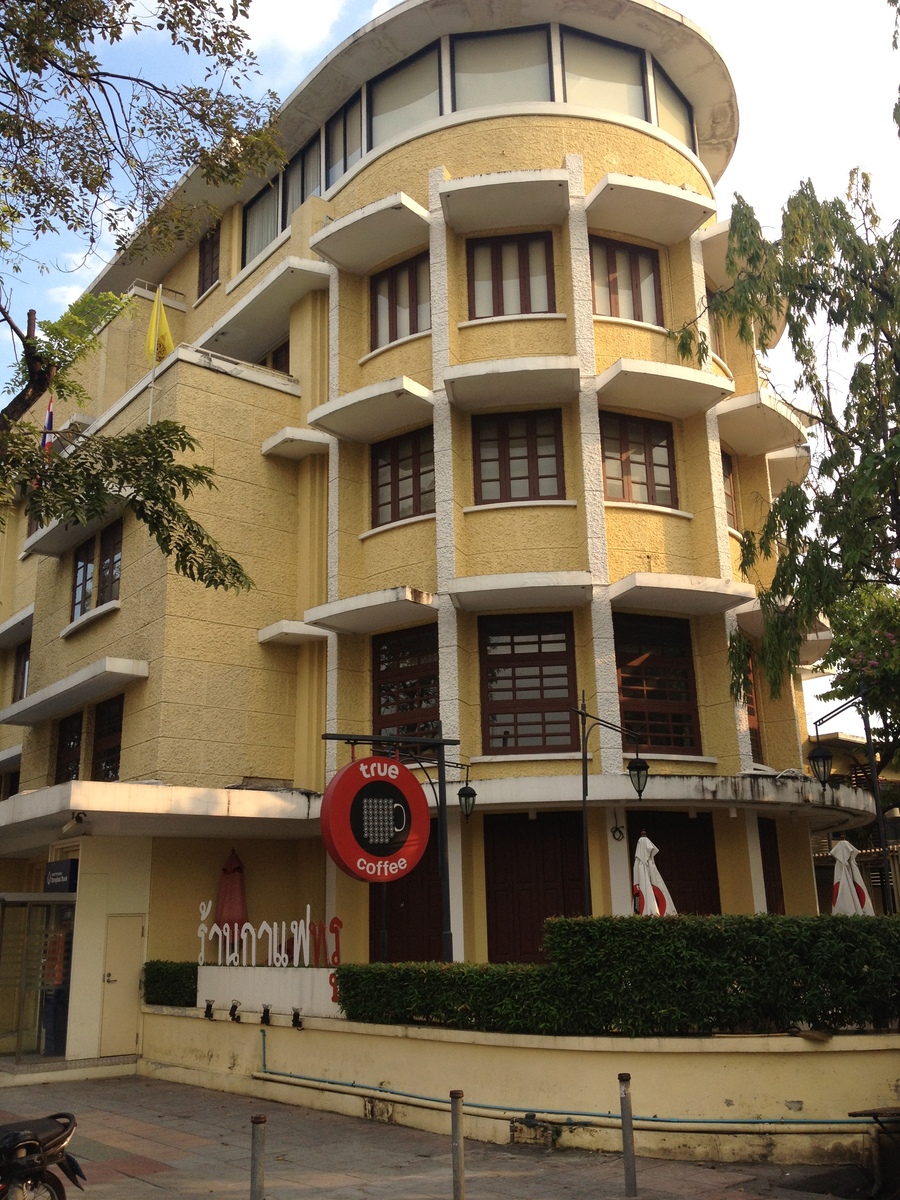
654,977
170,983
85,144
65,343
833,269
145,468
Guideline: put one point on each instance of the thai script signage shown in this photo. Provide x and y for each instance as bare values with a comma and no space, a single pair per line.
375,819
284,944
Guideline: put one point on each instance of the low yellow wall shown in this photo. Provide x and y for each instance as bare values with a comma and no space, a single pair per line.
690,1080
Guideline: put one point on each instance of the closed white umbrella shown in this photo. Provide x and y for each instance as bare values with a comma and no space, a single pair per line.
849,894
651,895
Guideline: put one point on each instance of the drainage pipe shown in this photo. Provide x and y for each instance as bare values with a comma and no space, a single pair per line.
599,1120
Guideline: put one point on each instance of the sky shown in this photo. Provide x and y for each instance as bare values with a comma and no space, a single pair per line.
816,85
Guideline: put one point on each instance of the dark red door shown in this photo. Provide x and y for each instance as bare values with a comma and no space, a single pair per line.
410,908
686,859
533,870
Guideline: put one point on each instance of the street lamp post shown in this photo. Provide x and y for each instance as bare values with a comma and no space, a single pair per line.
466,797
638,772
820,759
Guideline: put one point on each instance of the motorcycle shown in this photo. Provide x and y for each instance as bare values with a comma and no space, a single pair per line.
28,1148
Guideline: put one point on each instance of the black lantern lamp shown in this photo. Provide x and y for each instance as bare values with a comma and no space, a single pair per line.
467,797
638,773
820,759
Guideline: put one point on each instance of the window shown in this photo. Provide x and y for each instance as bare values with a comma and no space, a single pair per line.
405,682
406,96
68,748
208,272
343,140
604,75
728,481
638,460
673,113
403,477
9,784
501,68
107,739
510,275
657,694
752,705
278,358
527,683
260,222
518,457
102,556
626,281
302,179
715,341
20,671
400,301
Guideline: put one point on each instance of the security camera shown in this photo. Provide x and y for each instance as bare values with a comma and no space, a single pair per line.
75,822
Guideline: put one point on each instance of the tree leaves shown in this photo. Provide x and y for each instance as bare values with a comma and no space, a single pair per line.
145,468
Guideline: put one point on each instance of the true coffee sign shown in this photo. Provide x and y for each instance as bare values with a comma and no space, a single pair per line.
375,819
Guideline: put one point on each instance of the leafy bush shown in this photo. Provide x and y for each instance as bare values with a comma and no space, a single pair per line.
170,983
654,977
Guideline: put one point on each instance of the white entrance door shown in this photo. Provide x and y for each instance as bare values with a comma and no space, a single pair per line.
122,984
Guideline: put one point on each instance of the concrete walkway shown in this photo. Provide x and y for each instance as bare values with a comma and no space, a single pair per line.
140,1138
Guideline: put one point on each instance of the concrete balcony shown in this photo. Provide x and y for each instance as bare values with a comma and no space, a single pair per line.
374,234
643,208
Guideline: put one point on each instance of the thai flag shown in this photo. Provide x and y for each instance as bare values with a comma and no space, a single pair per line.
47,435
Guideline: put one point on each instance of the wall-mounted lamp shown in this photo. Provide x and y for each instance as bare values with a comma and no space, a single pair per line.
233,1011
266,1018
208,1011
467,797
296,1023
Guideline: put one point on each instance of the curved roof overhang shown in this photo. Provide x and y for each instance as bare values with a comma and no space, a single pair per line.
683,50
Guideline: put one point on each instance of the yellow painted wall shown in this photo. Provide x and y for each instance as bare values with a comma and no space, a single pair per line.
733,863
778,1078
797,874
281,878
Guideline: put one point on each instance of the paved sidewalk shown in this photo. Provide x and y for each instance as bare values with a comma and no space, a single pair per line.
140,1138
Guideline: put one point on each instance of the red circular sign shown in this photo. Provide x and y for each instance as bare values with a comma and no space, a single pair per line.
375,819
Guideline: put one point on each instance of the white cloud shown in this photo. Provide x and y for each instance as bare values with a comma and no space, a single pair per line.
381,6
274,24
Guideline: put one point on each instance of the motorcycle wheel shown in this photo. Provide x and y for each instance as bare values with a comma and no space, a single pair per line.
48,1187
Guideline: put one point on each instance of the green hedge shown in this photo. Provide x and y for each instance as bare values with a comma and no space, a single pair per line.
651,977
170,983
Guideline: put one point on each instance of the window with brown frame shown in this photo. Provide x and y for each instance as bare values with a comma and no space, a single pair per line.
405,682
626,281
20,670
638,460
518,456
528,688
68,748
728,482
403,477
343,140
107,739
100,555
715,341
208,268
752,705
657,691
400,301
509,276
278,358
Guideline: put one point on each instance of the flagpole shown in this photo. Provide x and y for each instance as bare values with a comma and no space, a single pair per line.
155,353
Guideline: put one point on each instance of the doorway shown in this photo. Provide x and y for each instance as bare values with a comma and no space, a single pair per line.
120,1021
533,870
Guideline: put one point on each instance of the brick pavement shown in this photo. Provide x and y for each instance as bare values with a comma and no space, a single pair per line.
139,1139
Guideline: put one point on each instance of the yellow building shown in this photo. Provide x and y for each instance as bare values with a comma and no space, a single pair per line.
471,480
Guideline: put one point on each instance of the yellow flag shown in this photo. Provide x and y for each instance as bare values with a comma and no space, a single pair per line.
159,338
